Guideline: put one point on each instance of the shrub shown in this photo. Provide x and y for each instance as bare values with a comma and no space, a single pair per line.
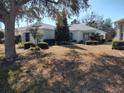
17,39
64,43
90,42
81,42
50,41
36,48
73,40
43,45
20,45
102,41
27,45
1,36
1,41
97,37
117,44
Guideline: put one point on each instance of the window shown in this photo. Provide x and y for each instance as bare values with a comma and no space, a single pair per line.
27,37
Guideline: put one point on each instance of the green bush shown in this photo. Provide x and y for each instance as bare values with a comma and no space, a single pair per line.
64,43
43,45
102,41
73,41
1,36
90,42
117,44
27,45
1,41
17,39
50,41
36,48
20,45
81,42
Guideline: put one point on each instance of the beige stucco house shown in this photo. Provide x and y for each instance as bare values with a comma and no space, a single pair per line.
119,25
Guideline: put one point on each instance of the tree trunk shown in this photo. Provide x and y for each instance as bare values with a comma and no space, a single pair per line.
10,51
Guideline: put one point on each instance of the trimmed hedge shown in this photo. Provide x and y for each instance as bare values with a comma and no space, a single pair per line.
18,39
43,45
64,43
73,41
81,42
102,41
91,42
27,45
36,48
50,41
1,35
117,44
1,41
20,45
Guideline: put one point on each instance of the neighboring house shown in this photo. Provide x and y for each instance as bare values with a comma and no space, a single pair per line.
83,32
46,30
78,32
119,29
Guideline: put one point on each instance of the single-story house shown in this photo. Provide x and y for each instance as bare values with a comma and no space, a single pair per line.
119,25
78,32
83,32
47,31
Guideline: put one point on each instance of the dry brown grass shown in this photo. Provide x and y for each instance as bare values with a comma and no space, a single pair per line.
1,51
68,69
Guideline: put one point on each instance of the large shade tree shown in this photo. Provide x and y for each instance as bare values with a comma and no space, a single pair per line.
62,29
11,10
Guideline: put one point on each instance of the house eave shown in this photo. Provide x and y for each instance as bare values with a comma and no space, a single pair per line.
120,21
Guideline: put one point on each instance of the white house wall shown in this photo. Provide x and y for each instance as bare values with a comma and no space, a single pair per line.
123,31
49,35
23,37
46,35
118,33
31,38
80,36
75,35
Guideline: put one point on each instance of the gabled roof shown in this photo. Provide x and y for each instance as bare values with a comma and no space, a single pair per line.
43,26
84,28
119,21
81,27
40,26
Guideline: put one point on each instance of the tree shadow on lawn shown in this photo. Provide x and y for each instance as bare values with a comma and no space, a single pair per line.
111,69
5,68
65,76
113,64
31,55
74,46
10,72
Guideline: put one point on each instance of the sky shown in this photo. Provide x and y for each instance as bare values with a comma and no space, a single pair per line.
113,9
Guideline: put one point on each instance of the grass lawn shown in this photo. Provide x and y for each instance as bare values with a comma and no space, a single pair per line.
1,51
65,69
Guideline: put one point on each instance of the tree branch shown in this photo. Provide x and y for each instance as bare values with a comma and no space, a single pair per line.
3,11
22,2
53,1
